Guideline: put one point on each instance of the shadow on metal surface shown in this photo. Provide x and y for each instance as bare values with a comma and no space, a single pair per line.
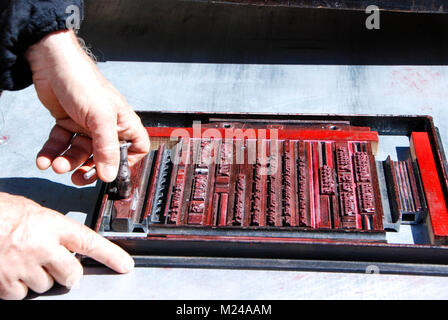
56,290
56,196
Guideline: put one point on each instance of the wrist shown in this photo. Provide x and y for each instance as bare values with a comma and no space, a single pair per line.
57,48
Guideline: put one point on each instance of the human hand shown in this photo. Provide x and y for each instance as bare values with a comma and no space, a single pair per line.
36,245
82,101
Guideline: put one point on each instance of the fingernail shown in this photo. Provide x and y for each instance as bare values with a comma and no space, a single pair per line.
73,281
43,163
110,173
128,265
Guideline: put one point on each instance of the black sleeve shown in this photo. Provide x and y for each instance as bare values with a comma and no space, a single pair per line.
23,23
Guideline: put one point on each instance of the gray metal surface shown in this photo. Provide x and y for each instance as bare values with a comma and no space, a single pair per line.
246,88
411,81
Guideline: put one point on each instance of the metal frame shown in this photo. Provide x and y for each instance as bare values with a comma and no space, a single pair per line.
439,6
298,254
419,269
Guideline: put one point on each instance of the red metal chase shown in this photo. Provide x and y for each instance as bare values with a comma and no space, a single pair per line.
421,152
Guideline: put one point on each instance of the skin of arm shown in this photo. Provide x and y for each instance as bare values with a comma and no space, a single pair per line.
37,243
82,101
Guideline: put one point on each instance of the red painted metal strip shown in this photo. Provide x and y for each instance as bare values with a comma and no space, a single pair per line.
223,209
421,150
315,146
262,154
283,134
309,154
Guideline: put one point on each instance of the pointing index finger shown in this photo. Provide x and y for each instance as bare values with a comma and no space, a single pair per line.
80,239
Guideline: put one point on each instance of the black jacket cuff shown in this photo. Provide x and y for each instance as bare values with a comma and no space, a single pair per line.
22,24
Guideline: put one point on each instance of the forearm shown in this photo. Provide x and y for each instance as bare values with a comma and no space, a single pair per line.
58,61
57,48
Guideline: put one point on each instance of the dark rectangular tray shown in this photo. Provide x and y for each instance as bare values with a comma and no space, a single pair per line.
309,254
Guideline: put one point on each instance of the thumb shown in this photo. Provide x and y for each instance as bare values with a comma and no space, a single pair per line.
105,144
